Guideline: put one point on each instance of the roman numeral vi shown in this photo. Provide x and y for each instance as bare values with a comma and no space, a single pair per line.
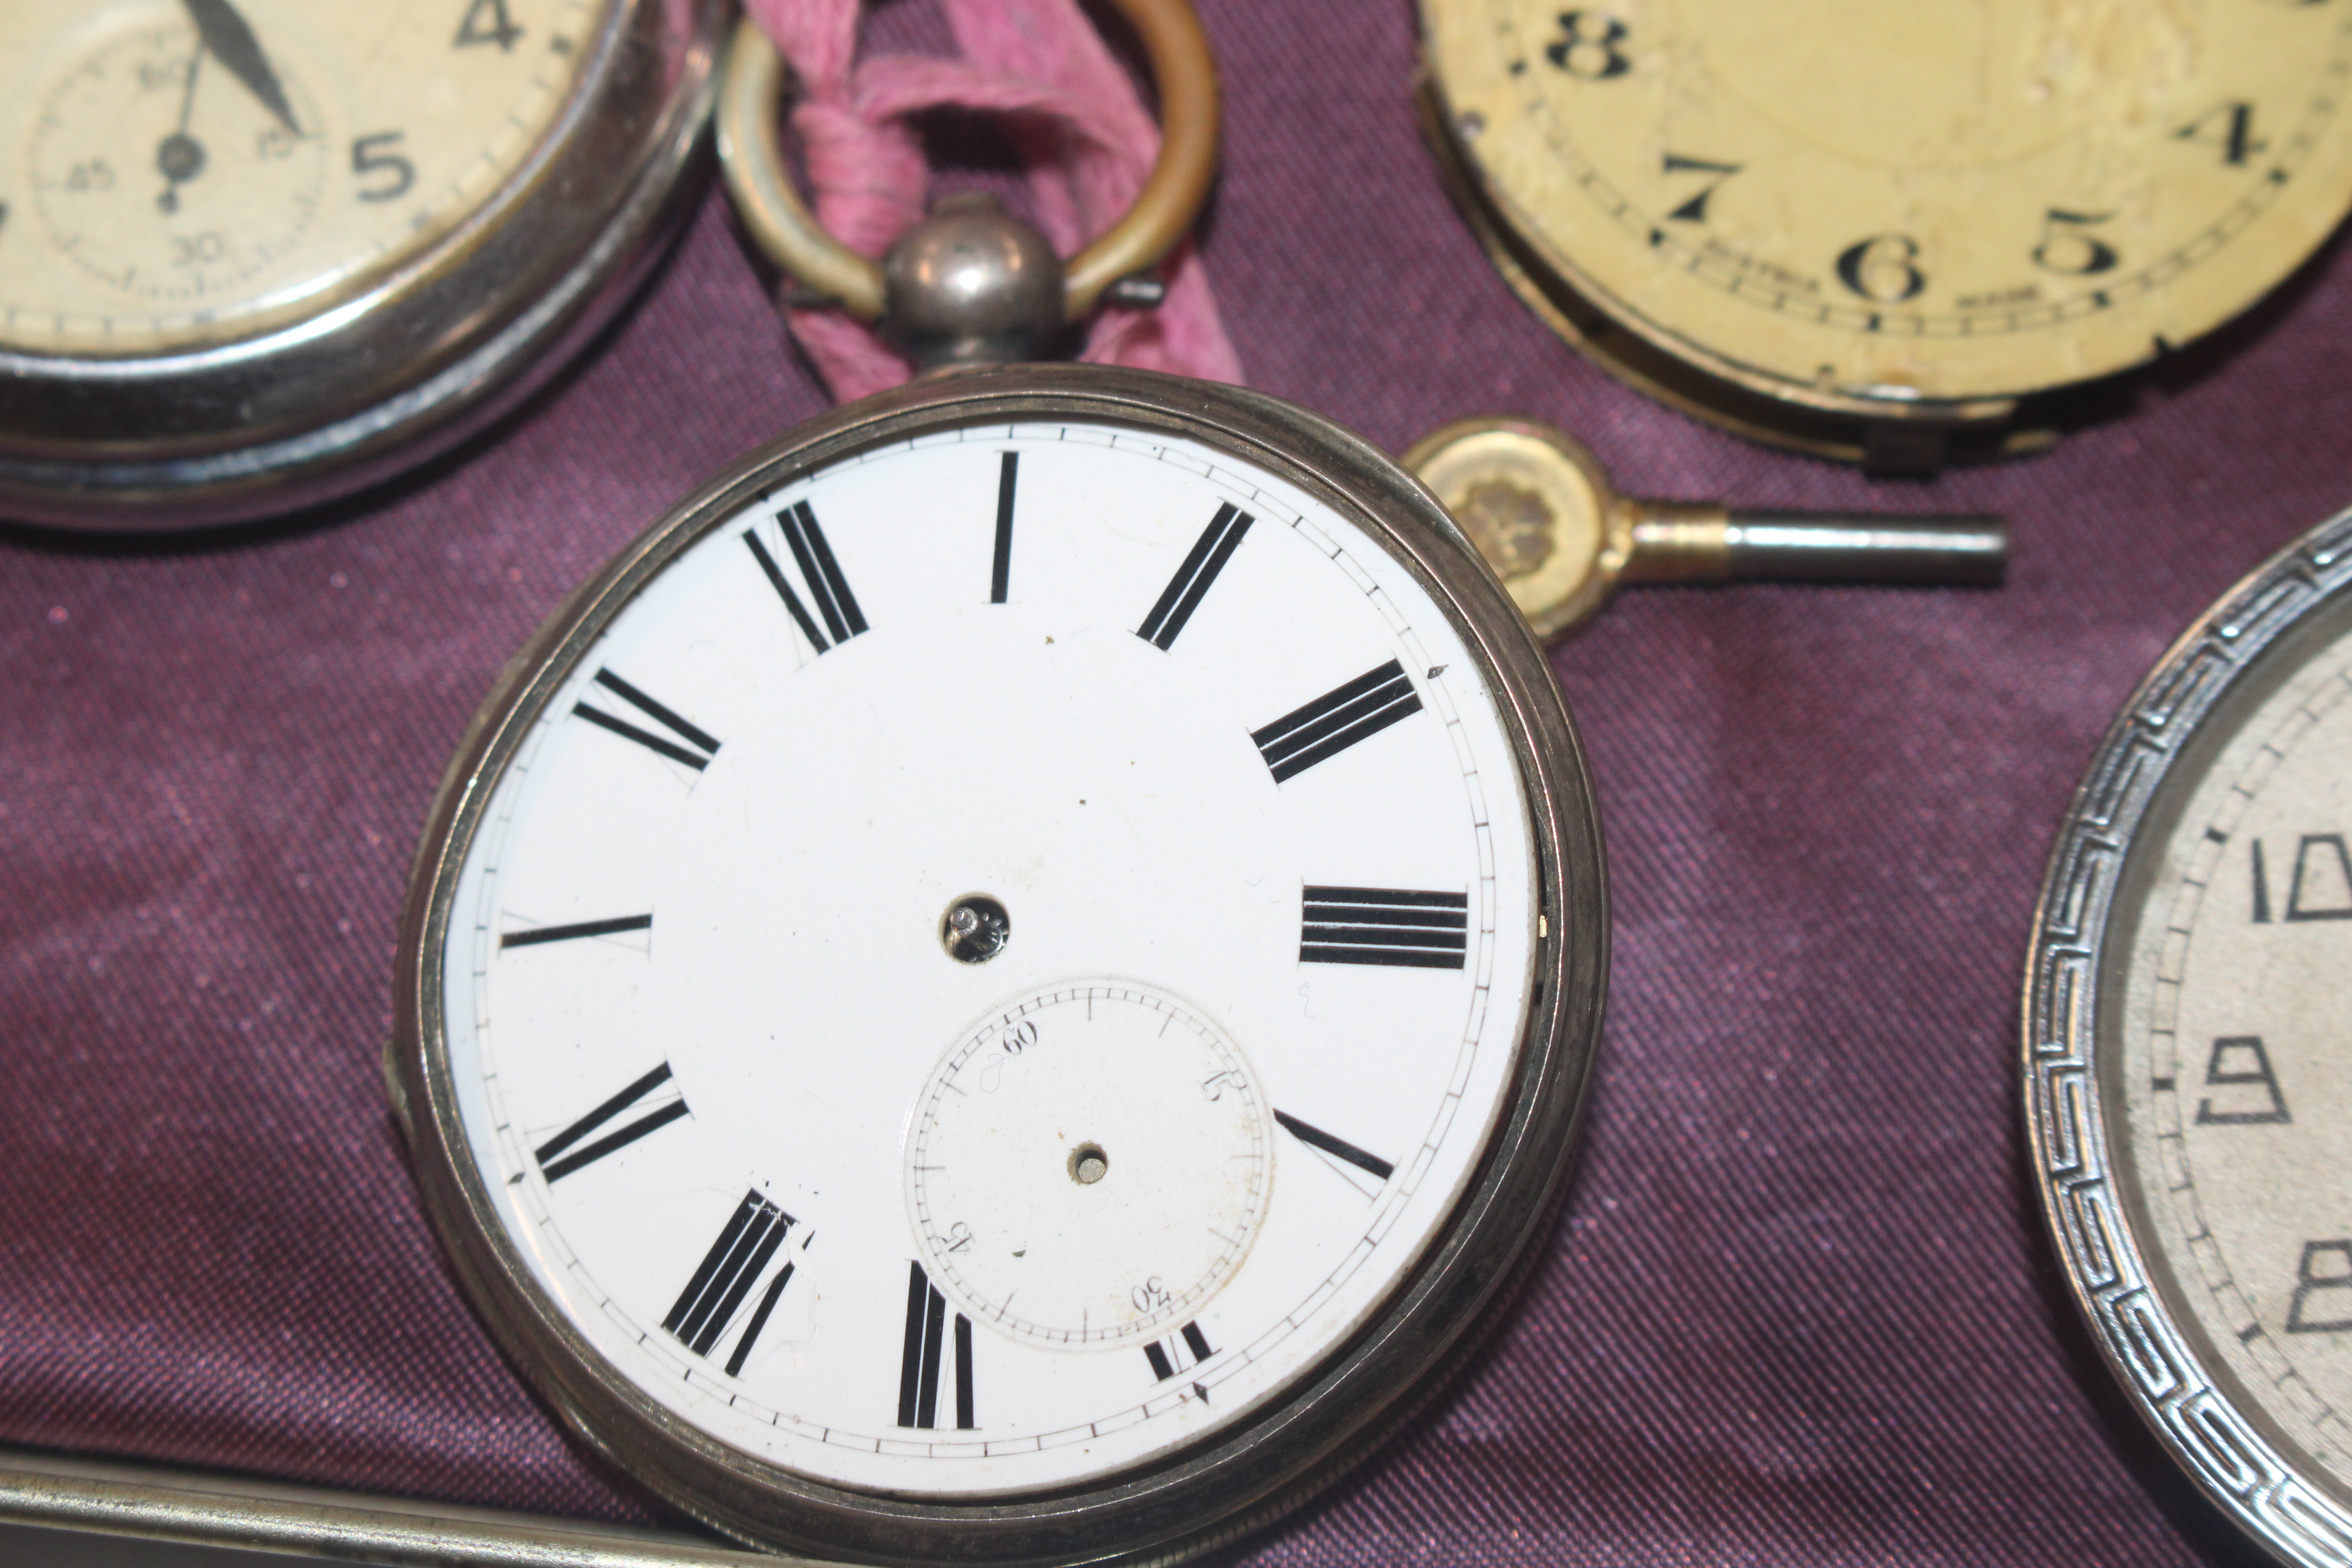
925,1353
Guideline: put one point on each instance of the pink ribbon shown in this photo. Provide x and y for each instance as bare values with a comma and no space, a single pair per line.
1071,115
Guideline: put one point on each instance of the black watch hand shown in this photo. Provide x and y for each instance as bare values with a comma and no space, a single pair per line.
232,43
181,158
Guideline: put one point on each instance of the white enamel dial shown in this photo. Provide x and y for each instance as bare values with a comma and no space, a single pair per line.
2236,1068
1254,835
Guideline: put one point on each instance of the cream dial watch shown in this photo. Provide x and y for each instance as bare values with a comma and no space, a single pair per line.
1896,233
253,252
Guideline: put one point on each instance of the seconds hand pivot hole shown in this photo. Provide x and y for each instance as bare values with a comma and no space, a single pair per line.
975,929
1088,1164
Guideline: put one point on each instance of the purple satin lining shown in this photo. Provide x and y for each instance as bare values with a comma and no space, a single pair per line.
1799,1310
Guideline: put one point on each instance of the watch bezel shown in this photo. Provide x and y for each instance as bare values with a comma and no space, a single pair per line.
2084,1174
1268,1461
382,375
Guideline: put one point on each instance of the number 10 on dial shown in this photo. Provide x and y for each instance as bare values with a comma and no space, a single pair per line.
1025,945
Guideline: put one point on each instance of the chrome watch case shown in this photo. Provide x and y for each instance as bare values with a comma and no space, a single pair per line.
415,359
2092,1195
1236,1479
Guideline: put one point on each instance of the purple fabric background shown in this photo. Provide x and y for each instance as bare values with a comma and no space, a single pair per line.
1800,1309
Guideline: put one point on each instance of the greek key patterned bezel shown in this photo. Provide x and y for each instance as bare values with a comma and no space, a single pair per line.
2070,1136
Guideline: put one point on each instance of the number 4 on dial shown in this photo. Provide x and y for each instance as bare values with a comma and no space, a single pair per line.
487,22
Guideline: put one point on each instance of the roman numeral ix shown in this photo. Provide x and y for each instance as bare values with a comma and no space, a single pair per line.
1388,926
706,1308
558,1159
700,745
1337,720
836,606
1186,589
926,1351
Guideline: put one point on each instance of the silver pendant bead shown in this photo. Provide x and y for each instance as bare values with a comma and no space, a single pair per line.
971,284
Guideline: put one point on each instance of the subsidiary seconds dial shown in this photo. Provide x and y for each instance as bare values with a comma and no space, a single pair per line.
996,961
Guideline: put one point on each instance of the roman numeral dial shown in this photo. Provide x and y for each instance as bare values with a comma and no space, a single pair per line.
927,1217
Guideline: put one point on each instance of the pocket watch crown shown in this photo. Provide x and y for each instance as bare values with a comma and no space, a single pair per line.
971,284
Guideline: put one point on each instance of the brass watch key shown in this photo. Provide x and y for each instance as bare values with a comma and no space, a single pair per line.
1541,510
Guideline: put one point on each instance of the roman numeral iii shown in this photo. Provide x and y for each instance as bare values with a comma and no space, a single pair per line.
1191,584
693,746
706,1307
925,1354
837,618
558,1157
1388,926
1337,720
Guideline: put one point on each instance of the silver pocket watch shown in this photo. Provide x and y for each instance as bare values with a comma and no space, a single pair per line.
1011,982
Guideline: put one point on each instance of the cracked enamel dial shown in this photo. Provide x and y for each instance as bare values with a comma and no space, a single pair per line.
1000,960
181,171
1869,209
2218,1265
